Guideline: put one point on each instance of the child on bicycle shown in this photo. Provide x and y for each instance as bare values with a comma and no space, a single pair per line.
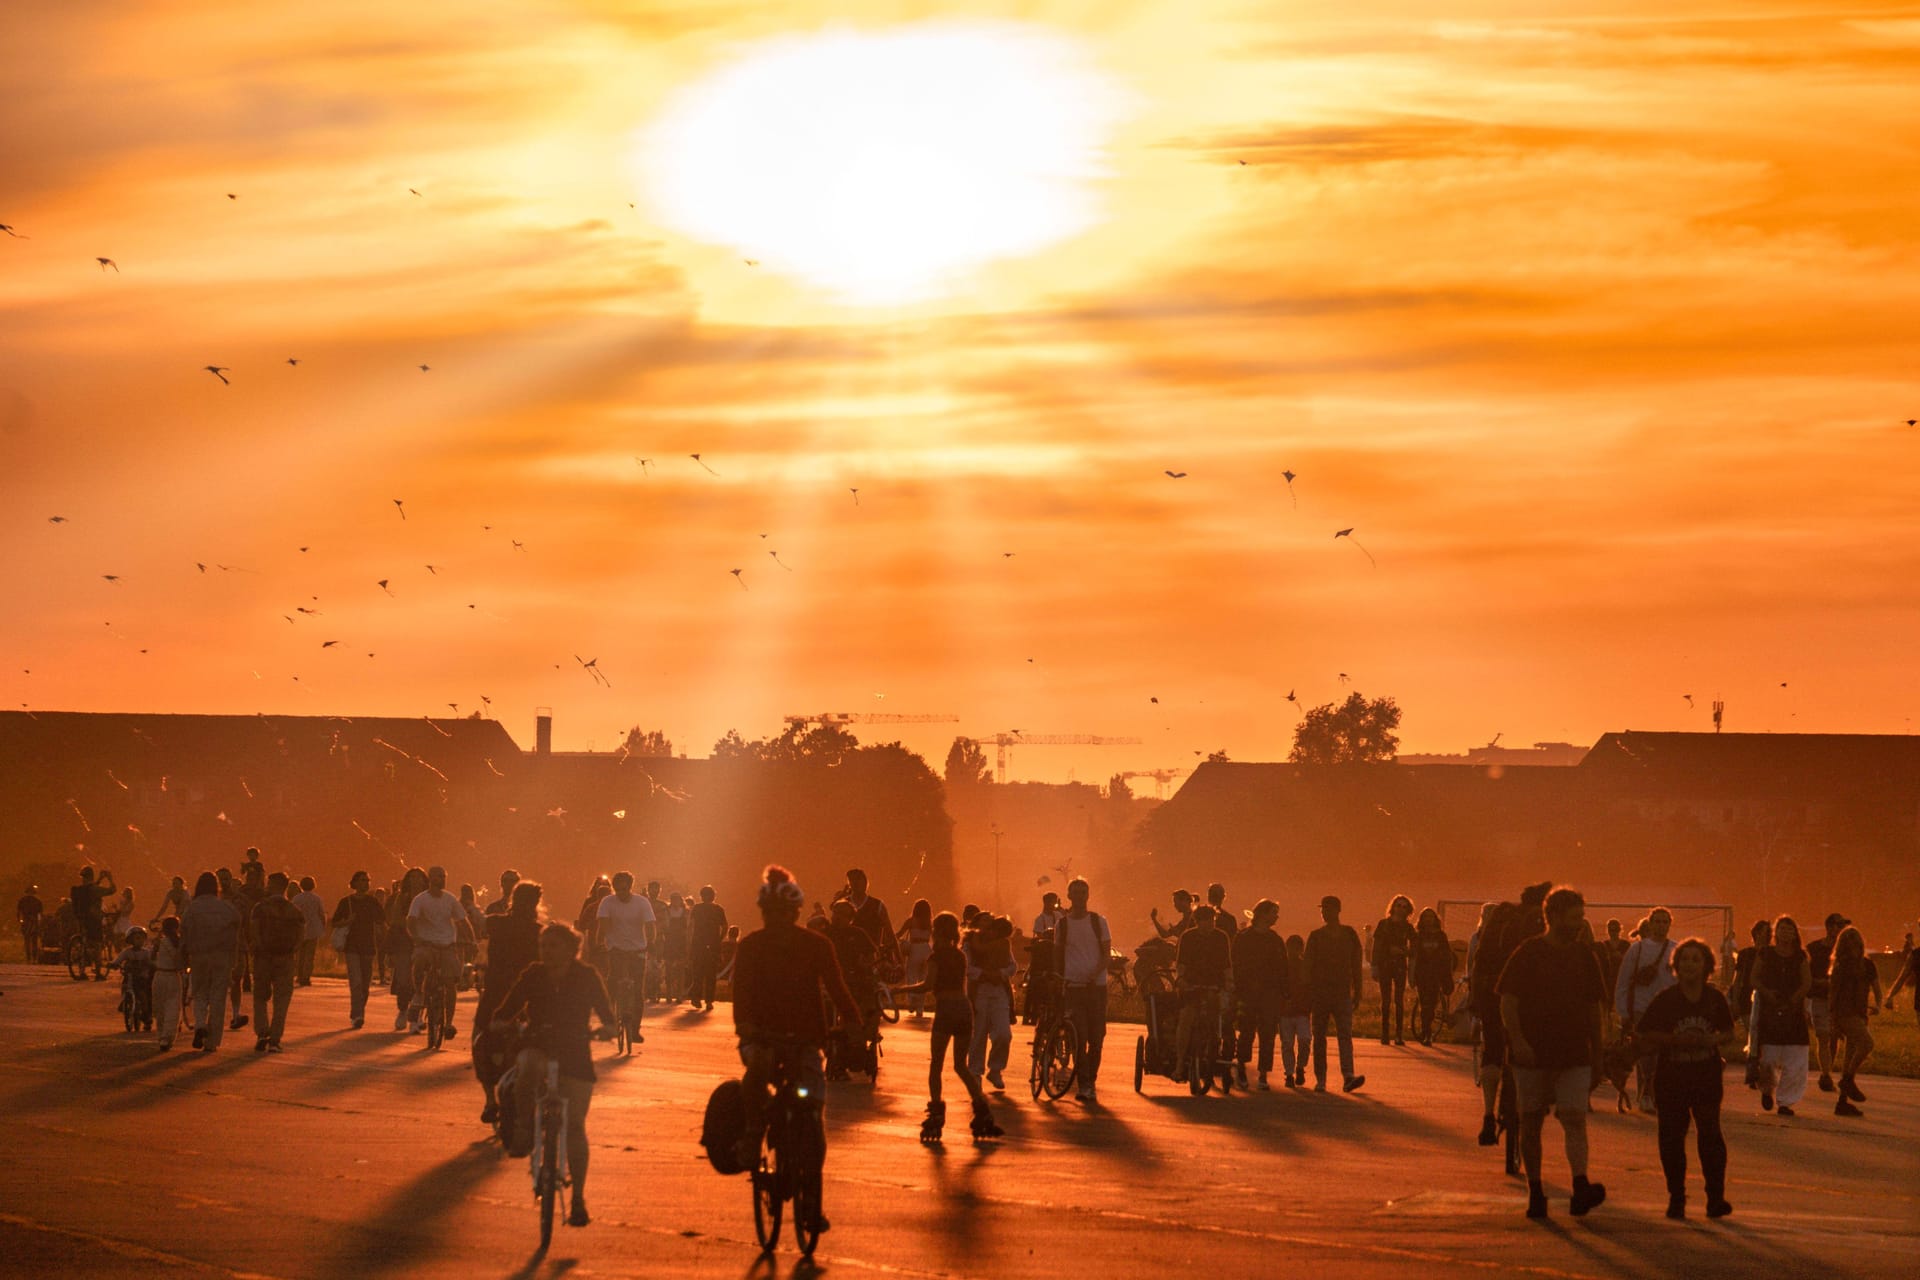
946,981
135,964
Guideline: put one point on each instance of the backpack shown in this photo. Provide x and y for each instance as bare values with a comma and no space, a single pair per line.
724,1124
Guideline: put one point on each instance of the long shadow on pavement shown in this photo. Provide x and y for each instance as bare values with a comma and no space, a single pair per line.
414,1222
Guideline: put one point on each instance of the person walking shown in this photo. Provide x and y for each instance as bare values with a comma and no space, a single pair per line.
1909,976
673,941
358,923
1688,1025
706,930
1645,971
1432,971
209,933
1296,1015
276,931
917,935
504,903
1334,967
1260,978
1852,980
1553,1006
400,942
314,912
1781,980
169,972
1081,943
990,970
30,912
1820,964
1393,940
513,944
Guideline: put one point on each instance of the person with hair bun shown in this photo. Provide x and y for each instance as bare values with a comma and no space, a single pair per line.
1687,1026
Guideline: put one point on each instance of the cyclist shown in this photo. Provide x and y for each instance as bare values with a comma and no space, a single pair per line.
623,930
87,898
560,996
1182,903
30,911
434,918
1082,941
1205,968
513,943
870,917
779,971
854,950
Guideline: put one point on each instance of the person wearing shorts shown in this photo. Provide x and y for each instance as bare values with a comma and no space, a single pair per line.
1552,1006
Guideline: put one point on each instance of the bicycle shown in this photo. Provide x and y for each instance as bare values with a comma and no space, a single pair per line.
548,1164
437,1001
623,1014
1203,1048
82,954
790,1165
1056,1047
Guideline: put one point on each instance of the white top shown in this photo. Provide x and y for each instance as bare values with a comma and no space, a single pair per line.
435,917
1643,953
1045,921
626,921
315,911
1084,943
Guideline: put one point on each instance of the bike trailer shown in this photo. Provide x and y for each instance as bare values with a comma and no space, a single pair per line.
724,1125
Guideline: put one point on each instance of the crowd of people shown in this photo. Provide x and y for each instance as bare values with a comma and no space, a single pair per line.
1553,1008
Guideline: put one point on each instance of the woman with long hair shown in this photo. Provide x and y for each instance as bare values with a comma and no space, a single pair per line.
946,982
1852,981
1393,941
400,942
513,943
1687,1025
1781,980
169,971
1432,970
917,934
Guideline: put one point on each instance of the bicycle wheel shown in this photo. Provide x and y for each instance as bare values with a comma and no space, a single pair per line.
806,1188
889,1011
1058,1068
1035,1070
436,1011
1139,1062
77,958
549,1183
126,1010
766,1202
1199,1074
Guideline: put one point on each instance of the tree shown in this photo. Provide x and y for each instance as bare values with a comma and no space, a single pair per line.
1216,757
1353,732
1117,789
648,742
967,764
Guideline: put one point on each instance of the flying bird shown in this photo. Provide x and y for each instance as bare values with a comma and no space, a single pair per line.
752,262
328,644
232,196
219,371
292,361
108,262
1348,535
400,507
1289,478
15,234
56,519
114,577
703,466
737,578
1177,475
311,613
424,368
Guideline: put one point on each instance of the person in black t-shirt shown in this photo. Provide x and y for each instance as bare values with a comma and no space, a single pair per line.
1202,966
1687,1026
560,996
1819,961
1392,949
1260,976
1851,980
1552,1003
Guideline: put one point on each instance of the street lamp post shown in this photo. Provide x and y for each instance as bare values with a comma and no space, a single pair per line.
999,902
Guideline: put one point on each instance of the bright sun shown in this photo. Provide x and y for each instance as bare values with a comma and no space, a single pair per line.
886,166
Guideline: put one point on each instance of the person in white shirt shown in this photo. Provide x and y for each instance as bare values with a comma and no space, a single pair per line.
1081,943
1645,971
1049,916
434,921
624,927
315,913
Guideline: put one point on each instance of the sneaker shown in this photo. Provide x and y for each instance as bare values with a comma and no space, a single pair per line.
1399,1043
1588,1197
260,1045
1766,1100
165,1045
1826,1083
1090,1097
1536,1204
1299,1079
1352,1084
1646,1104
239,1021
1262,1084
1718,1208
1489,1131
1785,1111
358,1023
199,1037
1240,1074
273,1046
578,1218
1846,1108
1852,1090
1319,1086
998,1081
490,1112
400,1021
1676,1207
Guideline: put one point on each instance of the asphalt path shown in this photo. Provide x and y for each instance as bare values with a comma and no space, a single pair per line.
360,1154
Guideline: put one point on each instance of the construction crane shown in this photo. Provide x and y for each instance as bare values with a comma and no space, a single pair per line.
1015,738
1161,777
869,717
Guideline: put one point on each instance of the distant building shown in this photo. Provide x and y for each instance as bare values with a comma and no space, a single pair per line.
1561,754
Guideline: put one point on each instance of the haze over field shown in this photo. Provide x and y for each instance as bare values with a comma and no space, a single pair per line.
1596,327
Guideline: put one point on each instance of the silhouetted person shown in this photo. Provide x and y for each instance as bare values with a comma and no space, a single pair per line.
276,932
1781,980
1334,968
1432,970
1820,962
1852,980
706,930
513,943
210,933
1645,972
1260,981
314,912
1392,950
1081,943
1553,1005
1688,1025
499,906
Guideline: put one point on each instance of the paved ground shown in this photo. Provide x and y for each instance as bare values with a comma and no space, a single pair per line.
359,1154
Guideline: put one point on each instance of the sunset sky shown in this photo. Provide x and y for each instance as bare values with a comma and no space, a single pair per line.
1596,322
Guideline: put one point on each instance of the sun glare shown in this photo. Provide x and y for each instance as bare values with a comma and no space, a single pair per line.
885,167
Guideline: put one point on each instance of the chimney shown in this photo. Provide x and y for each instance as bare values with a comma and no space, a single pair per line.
543,731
